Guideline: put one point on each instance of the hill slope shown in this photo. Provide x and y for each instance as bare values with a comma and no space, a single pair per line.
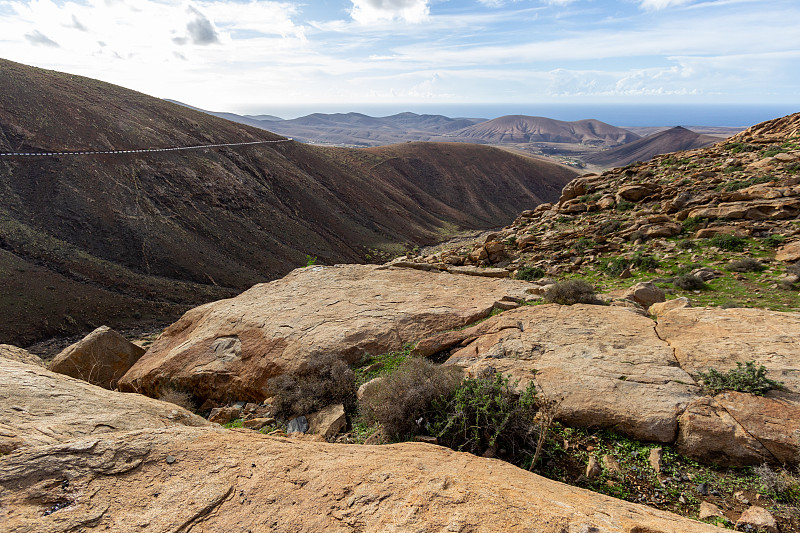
645,149
525,129
128,237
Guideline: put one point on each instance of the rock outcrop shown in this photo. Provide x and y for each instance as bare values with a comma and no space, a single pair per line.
206,479
20,355
607,364
612,367
231,348
39,407
100,358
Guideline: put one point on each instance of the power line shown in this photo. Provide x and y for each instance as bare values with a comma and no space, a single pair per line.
138,151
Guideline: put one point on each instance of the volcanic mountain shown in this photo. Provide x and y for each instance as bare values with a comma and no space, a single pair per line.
646,148
358,129
525,129
129,237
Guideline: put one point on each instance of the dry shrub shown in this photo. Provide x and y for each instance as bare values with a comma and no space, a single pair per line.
177,397
327,380
748,264
573,291
689,282
402,398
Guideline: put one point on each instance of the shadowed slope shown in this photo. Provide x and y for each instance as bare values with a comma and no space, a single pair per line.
672,140
121,230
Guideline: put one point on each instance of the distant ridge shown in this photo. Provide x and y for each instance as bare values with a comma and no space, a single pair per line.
526,129
131,237
672,140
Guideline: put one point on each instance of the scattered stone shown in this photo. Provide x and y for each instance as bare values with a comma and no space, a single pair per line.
101,358
757,518
702,489
170,460
658,309
656,459
593,469
611,464
789,252
709,510
365,386
297,425
258,423
327,421
645,294
223,415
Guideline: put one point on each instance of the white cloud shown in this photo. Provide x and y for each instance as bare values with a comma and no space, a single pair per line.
655,5
370,11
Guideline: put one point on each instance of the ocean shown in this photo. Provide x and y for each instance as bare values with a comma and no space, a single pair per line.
616,114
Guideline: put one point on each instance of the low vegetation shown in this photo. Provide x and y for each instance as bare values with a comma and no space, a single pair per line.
570,292
745,377
330,380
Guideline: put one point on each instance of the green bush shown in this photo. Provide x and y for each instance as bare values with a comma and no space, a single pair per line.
774,240
401,401
573,291
583,244
644,262
616,266
736,148
327,380
609,227
311,260
487,412
529,273
731,243
692,224
686,244
689,282
743,378
748,264
624,205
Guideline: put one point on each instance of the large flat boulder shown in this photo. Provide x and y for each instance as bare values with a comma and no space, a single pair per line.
101,358
38,407
229,349
210,479
705,338
607,363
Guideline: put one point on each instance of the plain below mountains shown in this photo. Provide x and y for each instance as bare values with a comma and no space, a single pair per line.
123,239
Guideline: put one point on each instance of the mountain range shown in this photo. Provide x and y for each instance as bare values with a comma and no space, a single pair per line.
125,238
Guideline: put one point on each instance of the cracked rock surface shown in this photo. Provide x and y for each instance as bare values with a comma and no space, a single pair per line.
229,349
236,481
615,368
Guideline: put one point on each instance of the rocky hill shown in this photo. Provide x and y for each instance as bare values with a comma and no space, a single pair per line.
525,129
136,237
658,392
673,140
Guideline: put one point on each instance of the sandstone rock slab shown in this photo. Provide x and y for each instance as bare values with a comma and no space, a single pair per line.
607,364
231,348
100,358
38,406
206,479
20,355
789,252
706,338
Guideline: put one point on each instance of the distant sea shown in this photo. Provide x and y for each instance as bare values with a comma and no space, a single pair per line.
615,114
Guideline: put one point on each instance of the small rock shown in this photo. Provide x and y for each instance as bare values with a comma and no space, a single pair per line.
170,459
426,439
656,459
593,469
759,519
702,489
740,497
662,307
223,415
612,465
328,421
708,510
297,425
258,423
645,294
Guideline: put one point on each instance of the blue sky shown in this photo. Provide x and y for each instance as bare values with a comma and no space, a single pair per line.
249,56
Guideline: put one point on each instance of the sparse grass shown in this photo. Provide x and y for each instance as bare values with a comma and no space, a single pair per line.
730,243
689,282
529,273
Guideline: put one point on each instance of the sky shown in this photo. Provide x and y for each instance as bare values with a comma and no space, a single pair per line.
251,56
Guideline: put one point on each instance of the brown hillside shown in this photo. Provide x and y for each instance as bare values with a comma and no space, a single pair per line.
645,149
127,237
523,129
